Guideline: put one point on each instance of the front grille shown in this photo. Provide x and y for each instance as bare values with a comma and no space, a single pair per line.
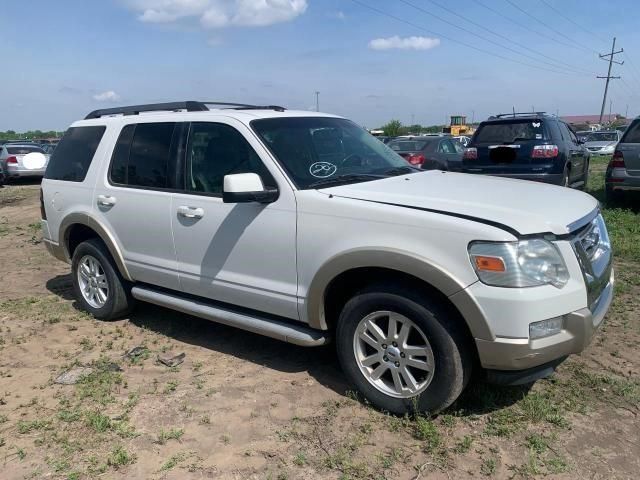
593,249
594,149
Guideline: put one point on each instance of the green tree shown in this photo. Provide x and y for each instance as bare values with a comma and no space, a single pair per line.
393,128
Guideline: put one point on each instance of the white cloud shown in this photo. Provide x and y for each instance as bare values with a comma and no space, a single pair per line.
108,96
339,15
406,43
219,13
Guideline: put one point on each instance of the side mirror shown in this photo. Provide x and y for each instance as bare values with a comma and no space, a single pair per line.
246,188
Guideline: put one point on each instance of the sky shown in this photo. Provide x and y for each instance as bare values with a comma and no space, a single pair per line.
371,60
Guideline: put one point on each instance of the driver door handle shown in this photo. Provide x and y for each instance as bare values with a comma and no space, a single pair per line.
190,212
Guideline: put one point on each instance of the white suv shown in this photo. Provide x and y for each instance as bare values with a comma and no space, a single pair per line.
303,227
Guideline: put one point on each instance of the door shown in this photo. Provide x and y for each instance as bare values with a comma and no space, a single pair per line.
242,254
630,148
576,153
133,199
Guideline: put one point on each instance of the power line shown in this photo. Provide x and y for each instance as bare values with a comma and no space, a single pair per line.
578,45
486,39
570,20
504,37
634,70
523,25
460,42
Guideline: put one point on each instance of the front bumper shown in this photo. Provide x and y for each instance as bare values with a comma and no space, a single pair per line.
523,353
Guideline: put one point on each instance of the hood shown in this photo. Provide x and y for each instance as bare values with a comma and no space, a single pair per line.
519,206
600,144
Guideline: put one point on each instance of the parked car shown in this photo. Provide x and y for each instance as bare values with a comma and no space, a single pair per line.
602,142
15,157
303,227
528,146
623,171
429,152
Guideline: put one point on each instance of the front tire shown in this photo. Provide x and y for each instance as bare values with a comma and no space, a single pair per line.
402,350
97,284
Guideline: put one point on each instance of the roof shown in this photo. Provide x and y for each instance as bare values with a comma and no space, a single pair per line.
589,119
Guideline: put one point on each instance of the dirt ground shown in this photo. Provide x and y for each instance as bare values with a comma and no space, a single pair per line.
242,406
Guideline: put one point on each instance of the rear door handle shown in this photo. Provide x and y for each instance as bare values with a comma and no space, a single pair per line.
106,200
190,212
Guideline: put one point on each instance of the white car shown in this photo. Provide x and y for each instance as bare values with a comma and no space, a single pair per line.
303,227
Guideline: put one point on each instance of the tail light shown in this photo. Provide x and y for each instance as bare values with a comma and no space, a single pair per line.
416,159
470,153
544,151
43,213
13,160
617,161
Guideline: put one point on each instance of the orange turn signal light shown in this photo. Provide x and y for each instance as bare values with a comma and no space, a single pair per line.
489,264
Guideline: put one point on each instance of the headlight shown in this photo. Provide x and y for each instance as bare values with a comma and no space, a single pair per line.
527,263
609,148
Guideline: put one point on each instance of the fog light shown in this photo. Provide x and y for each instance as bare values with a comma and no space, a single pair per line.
545,328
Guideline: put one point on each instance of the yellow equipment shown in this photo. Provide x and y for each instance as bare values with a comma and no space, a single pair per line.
458,126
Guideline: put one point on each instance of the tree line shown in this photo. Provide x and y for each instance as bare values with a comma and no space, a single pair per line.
29,135
395,128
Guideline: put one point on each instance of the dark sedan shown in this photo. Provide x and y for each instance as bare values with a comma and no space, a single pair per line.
429,153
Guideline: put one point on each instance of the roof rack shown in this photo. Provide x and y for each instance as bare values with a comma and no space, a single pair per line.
518,114
189,106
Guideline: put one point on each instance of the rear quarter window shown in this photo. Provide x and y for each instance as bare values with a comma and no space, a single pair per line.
632,135
73,155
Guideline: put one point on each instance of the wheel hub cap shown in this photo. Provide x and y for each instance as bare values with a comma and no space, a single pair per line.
393,354
93,281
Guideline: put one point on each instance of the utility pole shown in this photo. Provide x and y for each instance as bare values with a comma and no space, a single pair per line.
317,101
609,57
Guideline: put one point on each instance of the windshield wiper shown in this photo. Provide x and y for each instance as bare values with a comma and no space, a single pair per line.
401,170
346,178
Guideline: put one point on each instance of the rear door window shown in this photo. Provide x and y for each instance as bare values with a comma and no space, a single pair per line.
144,156
632,135
511,131
72,157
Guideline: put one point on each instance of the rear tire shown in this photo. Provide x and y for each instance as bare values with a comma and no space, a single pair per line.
97,284
439,374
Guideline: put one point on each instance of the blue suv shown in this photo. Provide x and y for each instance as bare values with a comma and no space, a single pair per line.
528,146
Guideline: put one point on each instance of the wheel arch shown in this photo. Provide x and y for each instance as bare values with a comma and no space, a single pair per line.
343,275
78,227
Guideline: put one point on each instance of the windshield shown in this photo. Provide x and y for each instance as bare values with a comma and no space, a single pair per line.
406,145
510,131
312,149
602,137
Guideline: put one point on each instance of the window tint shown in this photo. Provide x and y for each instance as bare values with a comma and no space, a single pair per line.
216,150
633,133
406,145
72,157
446,146
511,131
143,156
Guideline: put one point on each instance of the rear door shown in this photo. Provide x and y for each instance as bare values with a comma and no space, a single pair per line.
630,148
505,146
575,152
133,199
449,154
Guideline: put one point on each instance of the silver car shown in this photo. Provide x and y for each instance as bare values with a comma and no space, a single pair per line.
12,160
623,171
602,143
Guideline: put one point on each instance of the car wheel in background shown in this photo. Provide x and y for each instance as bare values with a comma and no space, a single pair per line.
98,286
402,351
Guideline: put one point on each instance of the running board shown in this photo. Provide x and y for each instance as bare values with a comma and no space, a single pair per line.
280,330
